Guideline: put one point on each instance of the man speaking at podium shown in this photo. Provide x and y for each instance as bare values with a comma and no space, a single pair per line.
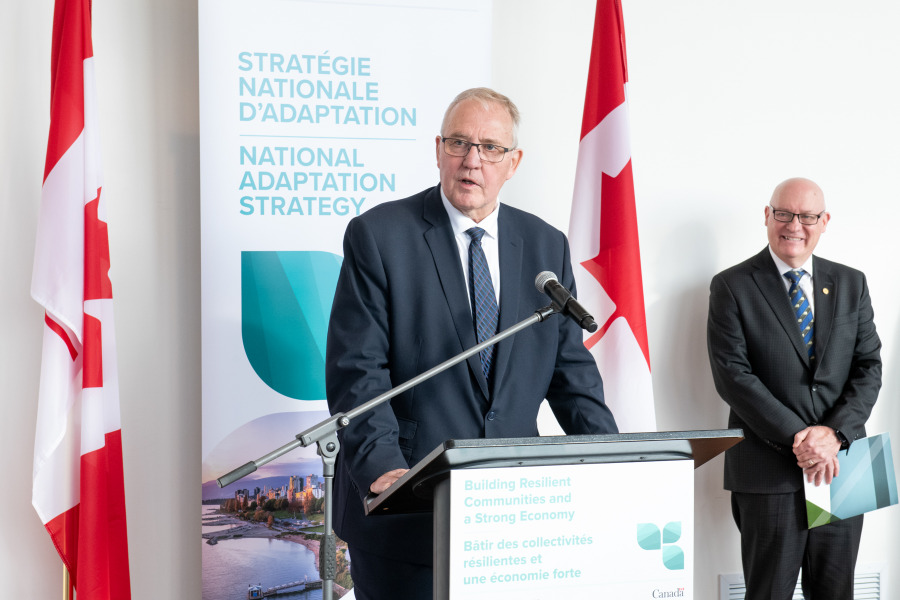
424,279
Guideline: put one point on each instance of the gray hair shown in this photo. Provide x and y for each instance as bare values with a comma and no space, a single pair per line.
487,96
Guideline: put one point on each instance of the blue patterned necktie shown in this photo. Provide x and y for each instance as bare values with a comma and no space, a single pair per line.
484,301
802,310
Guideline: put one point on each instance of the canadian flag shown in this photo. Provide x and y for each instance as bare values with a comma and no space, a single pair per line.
603,230
78,489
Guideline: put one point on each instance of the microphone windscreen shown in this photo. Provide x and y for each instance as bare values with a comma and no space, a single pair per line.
542,278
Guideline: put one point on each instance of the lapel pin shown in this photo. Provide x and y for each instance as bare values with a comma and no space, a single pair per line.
825,291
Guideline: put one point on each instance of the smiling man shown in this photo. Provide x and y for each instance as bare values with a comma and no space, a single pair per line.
793,239
795,354
423,279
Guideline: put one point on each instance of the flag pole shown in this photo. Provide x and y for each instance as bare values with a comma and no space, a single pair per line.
67,584
78,481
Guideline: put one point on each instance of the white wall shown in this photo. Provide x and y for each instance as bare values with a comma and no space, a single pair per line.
727,100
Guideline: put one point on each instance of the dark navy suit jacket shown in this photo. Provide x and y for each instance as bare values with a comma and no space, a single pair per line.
400,308
761,368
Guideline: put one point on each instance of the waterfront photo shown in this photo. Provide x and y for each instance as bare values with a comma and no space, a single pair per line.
260,535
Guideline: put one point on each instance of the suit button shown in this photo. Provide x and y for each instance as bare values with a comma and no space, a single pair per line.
491,416
815,388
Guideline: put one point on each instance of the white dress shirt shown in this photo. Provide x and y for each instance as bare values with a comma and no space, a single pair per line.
806,283
489,243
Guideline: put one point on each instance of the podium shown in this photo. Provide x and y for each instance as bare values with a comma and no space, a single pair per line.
542,517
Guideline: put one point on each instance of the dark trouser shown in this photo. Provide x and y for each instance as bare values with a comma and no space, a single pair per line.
376,577
775,544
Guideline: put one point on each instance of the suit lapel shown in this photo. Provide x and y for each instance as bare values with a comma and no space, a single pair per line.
439,238
511,247
823,311
768,280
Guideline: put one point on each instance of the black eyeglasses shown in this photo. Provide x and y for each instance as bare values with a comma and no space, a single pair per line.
488,152
785,216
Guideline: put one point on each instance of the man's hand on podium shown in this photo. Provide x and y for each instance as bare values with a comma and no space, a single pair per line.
385,481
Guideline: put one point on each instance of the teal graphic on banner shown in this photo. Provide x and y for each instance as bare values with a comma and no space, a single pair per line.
285,304
649,537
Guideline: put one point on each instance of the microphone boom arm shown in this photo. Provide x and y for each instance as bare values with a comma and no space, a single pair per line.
324,435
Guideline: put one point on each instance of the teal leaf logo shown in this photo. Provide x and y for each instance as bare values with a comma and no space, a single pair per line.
672,532
673,558
649,537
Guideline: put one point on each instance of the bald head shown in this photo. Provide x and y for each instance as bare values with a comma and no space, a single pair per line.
798,186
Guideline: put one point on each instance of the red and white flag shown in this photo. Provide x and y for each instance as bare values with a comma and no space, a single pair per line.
78,489
603,230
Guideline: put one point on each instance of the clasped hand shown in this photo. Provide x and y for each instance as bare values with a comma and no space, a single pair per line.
816,450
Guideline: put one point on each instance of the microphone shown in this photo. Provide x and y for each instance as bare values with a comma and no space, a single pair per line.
547,283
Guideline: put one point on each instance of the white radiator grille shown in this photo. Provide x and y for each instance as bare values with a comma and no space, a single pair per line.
868,584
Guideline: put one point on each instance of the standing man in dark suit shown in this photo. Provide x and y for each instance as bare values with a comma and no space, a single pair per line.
801,370
417,276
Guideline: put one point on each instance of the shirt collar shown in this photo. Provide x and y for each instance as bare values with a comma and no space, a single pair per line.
460,222
783,267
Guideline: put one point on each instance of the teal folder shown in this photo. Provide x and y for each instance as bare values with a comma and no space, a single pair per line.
867,481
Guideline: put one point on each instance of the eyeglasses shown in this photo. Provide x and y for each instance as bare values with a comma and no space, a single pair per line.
488,152
785,216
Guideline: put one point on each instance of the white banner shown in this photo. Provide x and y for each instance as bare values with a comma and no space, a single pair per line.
310,113
619,530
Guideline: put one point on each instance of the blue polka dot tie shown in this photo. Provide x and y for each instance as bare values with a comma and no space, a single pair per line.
484,301
802,310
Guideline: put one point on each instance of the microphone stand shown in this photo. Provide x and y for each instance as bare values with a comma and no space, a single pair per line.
324,435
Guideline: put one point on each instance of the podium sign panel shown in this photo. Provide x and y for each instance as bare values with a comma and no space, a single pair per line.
588,516
608,530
